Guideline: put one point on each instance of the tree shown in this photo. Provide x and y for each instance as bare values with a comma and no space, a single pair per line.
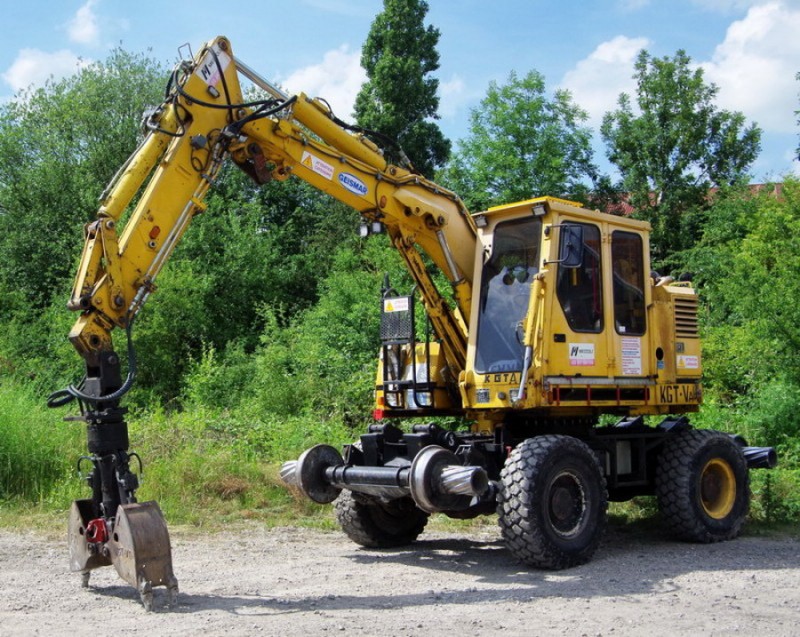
522,144
399,100
59,146
745,270
676,148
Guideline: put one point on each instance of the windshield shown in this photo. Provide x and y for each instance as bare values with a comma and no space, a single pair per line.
505,291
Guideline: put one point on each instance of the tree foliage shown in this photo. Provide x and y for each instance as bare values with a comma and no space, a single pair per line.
746,267
675,145
269,307
522,144
252,248
59,146
399,99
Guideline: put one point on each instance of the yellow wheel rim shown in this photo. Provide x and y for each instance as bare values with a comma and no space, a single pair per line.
717,488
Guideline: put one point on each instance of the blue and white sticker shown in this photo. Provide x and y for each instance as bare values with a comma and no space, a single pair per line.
353,184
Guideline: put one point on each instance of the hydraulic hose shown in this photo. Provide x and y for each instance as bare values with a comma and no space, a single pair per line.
65,396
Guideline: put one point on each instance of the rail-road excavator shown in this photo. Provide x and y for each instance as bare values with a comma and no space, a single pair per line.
571,363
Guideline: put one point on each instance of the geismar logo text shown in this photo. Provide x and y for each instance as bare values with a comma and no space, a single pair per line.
353,184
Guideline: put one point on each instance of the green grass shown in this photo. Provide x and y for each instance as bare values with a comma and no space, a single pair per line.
206,469
210,469
38,451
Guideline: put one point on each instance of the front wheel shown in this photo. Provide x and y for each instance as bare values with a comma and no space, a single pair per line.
702,486
553,502
379,524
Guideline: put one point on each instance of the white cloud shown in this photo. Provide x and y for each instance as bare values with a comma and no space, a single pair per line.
790,157
452,96
34,67
755,66
83,27
597,80
337,79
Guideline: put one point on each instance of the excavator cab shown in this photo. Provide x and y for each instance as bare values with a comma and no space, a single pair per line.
567,322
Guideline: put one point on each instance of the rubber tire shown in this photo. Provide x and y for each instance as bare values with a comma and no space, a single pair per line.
380,524
678,485
526,521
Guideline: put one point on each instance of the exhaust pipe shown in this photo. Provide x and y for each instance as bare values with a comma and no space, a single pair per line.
435,479
756,457
760,457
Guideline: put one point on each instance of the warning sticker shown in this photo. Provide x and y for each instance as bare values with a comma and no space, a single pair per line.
688,362
631,356
318,165
212,67
396,305
581,354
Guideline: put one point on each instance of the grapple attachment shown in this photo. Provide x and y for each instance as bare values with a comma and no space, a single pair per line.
136,543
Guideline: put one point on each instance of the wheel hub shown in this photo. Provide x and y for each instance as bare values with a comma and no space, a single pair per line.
717,488
567,504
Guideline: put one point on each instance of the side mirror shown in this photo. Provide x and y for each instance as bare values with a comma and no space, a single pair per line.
571,252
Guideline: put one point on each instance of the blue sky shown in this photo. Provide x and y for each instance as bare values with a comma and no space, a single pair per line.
749,48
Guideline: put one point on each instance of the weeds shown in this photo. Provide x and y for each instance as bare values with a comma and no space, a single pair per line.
37,449
212,467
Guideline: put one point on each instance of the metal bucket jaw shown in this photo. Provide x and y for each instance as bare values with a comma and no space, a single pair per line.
138,546
140,550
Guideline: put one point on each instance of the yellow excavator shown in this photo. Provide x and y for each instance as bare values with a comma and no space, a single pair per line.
571,363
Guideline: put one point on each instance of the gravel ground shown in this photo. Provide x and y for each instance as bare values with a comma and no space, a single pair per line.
292,581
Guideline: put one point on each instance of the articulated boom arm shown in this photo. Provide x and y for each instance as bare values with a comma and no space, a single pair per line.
203,121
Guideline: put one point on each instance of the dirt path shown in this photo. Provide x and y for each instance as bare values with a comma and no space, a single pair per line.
302,582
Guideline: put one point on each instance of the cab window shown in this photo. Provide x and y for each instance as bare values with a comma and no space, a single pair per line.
505,294
580,289
628,266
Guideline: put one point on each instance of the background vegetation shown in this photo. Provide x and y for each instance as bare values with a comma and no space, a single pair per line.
261,338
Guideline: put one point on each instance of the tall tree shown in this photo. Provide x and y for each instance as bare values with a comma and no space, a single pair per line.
522,144
675,147
399,98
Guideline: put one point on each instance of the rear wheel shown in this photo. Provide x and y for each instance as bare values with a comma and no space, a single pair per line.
702,485
552,505
380,524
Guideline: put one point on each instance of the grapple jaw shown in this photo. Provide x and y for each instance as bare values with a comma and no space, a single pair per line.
136,543
85,555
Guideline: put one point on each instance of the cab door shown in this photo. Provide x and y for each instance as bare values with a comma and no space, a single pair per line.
628,305
578,343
